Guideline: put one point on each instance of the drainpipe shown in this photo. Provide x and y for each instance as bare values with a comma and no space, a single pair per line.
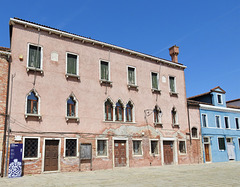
189,125
6,120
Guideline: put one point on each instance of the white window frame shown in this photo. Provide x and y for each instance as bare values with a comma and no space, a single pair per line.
133,147
180,153
41,62
101,156
77,72
109,71
238,143
175,84
176,116
150,151
38,152
224,143
159,117
206,119
39,104
135,76
157,80
77,150
133,112
237,119
229,127
220,126
220,98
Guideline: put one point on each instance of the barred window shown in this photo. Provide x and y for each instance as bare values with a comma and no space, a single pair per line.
71,147
154,146
31,148
101,147
137,147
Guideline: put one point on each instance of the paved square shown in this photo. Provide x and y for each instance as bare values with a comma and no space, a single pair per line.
214,174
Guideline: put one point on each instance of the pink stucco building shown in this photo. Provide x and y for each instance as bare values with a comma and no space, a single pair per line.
81,104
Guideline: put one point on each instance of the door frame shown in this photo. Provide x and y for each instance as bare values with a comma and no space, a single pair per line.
233,143
210,151
127,150
175,155
59,154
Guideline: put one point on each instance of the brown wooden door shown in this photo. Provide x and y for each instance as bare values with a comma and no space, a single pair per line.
51,155
207,152
168,152
120,159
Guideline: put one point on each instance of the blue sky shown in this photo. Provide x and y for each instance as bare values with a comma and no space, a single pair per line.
207,32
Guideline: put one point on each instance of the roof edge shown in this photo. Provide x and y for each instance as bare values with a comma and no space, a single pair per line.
74,36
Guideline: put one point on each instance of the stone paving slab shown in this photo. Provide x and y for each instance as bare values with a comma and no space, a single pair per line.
214,174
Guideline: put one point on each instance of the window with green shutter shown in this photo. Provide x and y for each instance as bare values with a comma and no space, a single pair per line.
172,84
221,144
104,71
131,76
154,81
72,64
34,56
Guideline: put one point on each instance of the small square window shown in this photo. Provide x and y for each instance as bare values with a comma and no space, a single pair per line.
71,148
154,147
104,71
101,147
182,147
30,147
137,147
221,144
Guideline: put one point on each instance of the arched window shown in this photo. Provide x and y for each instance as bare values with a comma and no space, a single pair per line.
174,116
32,103
119,111
71,106
194,132
157,114
129,112
108,111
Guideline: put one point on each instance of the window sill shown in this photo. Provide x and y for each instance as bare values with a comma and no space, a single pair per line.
105,82
173,94
132,86
137,155
101,156
73,118
29,69
33,115
35,158
155,155
156,91
70,157
175,125
72,76
158,124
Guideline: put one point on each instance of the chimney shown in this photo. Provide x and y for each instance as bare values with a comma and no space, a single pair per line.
174,51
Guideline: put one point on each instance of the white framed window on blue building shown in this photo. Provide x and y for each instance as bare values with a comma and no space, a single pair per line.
226,121
218,123
204,120
237,123
219,99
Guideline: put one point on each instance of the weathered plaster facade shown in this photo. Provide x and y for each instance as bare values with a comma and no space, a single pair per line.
53,87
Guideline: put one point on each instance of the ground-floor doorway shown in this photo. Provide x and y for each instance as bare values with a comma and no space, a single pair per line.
168,152
51,158
120,153
206,143
230,149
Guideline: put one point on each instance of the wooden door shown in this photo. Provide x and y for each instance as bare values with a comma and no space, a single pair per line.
51,155
120,159
168,152
207,152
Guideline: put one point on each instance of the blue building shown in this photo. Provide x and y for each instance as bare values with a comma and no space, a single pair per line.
220,126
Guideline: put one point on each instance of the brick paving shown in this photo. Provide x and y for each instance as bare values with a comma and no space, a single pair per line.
214,174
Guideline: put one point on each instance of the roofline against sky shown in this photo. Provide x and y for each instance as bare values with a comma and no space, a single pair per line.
74,36
217,108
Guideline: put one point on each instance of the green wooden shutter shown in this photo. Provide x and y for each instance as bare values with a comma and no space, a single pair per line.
72,64
154,81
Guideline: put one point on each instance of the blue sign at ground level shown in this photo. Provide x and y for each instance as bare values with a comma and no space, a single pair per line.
15,161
